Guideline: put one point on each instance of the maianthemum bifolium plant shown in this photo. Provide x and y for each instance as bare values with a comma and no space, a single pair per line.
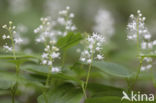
56,81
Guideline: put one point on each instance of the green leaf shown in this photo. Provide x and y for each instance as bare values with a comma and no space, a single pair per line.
100,90
11,78
106,99
5,84
63,94
43,70
112,69
69,40
112,99
17,56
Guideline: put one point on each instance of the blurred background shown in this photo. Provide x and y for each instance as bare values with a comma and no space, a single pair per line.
26,15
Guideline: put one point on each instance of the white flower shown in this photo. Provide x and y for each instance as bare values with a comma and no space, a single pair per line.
104,24
71,15
49,62
44,55
18,40
68,7
93,48
143,68
4,36
99,57
154,42
55,55
7,48
4,26
13,36
137,31
89,61
83,59
44,62
55,69
61,21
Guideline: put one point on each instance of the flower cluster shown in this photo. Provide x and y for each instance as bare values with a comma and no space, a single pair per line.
93,49
148,64
50,29
137,31
65,21
104,24
45,30
51,52
13,37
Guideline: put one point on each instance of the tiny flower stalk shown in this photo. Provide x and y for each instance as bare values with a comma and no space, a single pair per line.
138,32
92,52
14,42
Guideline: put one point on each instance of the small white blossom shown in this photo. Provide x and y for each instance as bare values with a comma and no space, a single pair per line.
7,48
89,61
93,48
49,62
18,40
4,26
4,36
99,57
44,55
55,55
44,62
55,69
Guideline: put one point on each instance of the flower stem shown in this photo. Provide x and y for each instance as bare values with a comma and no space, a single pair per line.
13,91
138,41
83,89
88,75
48,76
47,84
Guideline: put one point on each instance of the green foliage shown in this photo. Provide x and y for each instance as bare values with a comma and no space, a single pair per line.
63,94
113,69
69,40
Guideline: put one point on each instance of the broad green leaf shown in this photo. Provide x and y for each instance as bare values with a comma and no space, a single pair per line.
69,40
106,99
5,84
17,56
100,90
63,94
43,70
112,69
4,92
11,78
112,99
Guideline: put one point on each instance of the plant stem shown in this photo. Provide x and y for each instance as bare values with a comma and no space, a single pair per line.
89,70
45,97
13,91
13,98
138,41
47,85
88,75
48,76
83,89
63,59
138,72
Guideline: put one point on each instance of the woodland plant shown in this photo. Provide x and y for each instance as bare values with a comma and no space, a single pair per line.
15,41
67,82
138,32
